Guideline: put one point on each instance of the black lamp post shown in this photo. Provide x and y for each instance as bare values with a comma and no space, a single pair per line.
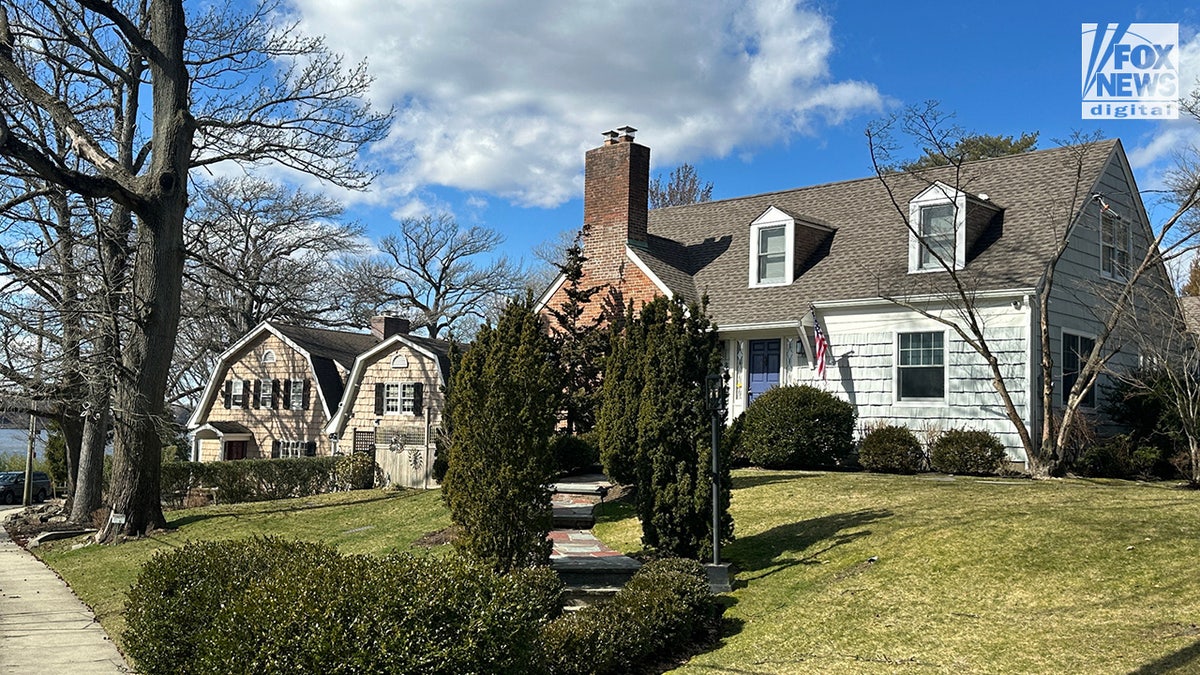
714,398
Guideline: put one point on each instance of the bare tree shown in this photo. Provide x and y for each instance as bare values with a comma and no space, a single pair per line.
433,271
957,290
255,251
227,85
683,187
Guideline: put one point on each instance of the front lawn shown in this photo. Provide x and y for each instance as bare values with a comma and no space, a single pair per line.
365,521
847,573
867,573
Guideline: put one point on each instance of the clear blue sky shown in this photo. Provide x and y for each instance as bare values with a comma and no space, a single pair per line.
496,105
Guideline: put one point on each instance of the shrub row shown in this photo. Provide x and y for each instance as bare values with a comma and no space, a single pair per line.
254,480
662,612
267,606
894,449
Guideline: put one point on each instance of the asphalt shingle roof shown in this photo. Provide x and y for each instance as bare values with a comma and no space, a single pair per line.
705,248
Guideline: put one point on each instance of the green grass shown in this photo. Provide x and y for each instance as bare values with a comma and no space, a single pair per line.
972,575
366,521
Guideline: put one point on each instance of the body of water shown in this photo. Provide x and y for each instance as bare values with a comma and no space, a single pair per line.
16,441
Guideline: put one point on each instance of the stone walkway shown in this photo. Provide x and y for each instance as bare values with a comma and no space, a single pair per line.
586,565
44,628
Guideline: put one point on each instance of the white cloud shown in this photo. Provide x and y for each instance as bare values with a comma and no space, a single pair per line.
1155,156
504,98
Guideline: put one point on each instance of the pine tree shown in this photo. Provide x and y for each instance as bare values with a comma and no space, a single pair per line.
1192,286
657,378
582,344
502,408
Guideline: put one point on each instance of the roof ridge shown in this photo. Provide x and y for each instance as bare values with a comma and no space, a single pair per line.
1003,158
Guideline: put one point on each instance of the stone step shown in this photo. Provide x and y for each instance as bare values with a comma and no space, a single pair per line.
595,571
573,517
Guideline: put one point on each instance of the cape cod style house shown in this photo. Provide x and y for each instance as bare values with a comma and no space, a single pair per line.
292,391
842,252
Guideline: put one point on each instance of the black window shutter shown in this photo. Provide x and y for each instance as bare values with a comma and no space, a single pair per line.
257,394
418,398
310,449
287,394
307,392
378,398
228,392
247,386
275,449
274,394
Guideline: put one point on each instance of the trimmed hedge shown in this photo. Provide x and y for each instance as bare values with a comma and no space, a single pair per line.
664,611
798,427
256,480
266,606
891,449
967,452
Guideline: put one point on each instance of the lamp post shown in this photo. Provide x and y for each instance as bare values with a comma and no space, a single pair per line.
714,398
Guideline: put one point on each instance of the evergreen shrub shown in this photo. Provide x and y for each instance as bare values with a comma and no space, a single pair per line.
965,451
891,449
254,480
1118,457
798,427
663,611
270,606
572,452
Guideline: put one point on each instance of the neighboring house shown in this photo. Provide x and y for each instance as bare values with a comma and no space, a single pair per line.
844,248
276,390
393,403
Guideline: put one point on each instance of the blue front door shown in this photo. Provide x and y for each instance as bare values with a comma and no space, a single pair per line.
764,366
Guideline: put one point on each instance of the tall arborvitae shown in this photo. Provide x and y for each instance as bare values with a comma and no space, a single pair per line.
582,344
654,424
502,407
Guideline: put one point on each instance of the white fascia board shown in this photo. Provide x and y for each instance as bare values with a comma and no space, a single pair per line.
629,252
545,299
766,325
337,421
924,298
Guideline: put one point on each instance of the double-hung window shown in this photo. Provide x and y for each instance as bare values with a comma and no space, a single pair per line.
292,448
408,398
772,255
237,394
921,366
391,398
296,394
1114,247
265,393
1075,352
937,237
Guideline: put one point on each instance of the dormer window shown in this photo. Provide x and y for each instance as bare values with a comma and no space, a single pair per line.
772,243
937,237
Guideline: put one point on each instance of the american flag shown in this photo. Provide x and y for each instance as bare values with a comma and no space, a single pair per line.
822,343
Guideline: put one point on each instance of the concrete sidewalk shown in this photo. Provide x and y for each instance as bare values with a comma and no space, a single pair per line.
44,628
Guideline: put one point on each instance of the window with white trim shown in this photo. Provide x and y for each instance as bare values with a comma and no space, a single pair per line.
296,394
1075,352
772,244
921,366
1114,247
408,398
265,393
237,393
937,237
267,357
292,448
391,398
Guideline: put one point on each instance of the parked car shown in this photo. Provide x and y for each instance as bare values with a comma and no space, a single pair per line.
12,486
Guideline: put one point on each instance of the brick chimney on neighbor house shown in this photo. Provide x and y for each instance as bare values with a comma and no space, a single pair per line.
615,193
384,326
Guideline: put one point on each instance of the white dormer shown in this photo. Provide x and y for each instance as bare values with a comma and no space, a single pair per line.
772,249
937,229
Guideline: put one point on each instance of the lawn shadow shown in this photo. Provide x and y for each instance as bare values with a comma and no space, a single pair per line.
789,545
769,477
310,506
1178,661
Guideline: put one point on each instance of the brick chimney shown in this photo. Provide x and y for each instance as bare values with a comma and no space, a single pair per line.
615,193
384,326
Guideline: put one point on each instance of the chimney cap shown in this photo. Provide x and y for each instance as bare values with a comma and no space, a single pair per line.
627,132
610,136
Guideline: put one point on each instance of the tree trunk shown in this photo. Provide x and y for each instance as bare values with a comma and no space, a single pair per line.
71,427
89,486
156,282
